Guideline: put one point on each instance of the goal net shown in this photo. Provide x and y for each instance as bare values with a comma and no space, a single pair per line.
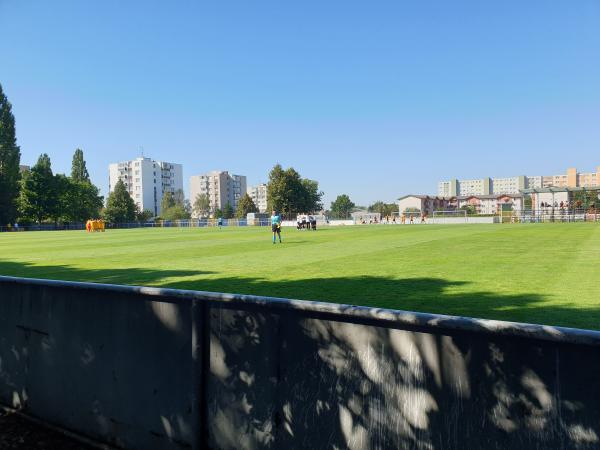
452,215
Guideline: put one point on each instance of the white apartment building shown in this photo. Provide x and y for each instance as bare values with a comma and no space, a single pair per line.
146,181
220,186
258,194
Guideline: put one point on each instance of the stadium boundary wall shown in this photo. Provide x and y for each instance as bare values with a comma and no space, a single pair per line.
142,368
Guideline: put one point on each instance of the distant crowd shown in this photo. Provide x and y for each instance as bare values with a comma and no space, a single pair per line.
392,219
306,222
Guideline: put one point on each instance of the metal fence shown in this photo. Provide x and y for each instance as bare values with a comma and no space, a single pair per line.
550,215
190,223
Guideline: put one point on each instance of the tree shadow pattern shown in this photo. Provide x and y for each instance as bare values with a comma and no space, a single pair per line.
285,381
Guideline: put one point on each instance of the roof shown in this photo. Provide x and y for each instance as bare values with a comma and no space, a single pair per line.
558,189
425,197
462,197
489,196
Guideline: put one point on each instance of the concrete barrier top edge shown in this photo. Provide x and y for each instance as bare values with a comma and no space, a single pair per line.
437,322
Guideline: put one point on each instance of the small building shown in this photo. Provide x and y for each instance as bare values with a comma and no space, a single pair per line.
482,204
426,204
556,197
492,204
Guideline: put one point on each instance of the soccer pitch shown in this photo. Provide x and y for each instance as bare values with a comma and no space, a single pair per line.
542,273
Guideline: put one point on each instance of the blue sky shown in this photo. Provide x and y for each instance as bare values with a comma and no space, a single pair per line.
375,99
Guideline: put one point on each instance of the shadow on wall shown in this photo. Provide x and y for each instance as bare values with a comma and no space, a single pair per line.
283,381
289,380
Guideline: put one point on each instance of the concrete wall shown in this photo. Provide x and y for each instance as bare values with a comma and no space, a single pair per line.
116,364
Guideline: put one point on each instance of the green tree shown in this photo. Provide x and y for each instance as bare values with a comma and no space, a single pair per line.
174,207
245,206
470,209
228,211
144,216
79,171
385,209
288,193
120,207
218,213
341,207
38,199
10,157
201,205
311,196
66,198
168,201
79,200
586,199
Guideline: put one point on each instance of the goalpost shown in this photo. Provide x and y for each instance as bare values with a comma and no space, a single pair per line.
456,215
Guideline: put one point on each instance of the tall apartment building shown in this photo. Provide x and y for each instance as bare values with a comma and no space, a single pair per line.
258,194
513,185
220,186
146,181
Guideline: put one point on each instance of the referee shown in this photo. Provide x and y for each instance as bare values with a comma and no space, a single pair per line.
276,226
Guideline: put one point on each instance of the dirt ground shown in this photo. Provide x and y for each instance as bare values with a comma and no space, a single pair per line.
18,433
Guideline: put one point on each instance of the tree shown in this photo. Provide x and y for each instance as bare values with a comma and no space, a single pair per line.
79,171
385,209
341,207
10,158
38,199
586,198
201,205
143,216
470,209
228,211
168,201
78,200
173,206
120,207
311,196
290,194
218,213
245,206
66,199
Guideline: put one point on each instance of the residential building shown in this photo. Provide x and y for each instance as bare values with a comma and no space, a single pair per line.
514,185
258,194
483,204
221,187
146,181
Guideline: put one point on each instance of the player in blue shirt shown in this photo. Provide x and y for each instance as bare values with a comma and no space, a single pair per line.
276,226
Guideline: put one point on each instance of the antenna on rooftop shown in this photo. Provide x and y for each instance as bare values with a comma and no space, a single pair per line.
142,151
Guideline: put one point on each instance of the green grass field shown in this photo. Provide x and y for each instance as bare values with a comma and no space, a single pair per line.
542,273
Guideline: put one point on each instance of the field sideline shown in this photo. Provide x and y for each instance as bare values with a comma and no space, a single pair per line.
543,273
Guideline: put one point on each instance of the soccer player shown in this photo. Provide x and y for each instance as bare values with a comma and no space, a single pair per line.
276,226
